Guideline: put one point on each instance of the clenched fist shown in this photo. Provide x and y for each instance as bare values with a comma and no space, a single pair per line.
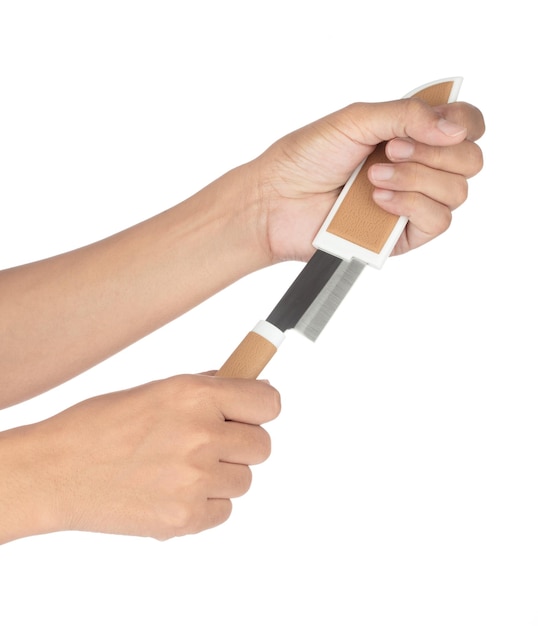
159,460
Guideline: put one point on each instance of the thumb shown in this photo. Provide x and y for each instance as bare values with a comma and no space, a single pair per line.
372,123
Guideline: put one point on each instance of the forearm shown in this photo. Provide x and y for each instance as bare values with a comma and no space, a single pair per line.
62,315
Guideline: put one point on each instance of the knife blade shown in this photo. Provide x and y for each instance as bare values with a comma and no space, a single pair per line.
356,233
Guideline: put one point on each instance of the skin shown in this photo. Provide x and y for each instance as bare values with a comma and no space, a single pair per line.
160,460
108,464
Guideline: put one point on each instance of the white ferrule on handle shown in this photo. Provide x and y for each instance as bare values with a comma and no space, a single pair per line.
273,334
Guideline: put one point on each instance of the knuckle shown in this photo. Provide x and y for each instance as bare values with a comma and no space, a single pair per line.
444,220
436,157
407,177
258,445
183,524
276,405
268,403
413,109
264,445
223,515
202,444
244,481
414,170
415,106
476,159
207,517
218,517
190,394
472,118
175,521
460,191
174,389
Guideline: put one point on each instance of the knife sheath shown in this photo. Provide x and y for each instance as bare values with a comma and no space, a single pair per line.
358,218
356,228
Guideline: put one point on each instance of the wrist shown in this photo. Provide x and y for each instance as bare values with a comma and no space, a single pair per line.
26,496
239,198
220,231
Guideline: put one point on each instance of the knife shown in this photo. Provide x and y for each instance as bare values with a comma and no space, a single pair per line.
356,233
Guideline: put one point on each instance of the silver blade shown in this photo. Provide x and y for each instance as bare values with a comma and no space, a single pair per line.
315,318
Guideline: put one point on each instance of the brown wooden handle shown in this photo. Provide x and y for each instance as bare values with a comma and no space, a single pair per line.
253,353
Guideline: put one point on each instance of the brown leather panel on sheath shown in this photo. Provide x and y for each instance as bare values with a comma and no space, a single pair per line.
358,218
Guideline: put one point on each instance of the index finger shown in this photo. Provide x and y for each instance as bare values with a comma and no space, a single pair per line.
244,400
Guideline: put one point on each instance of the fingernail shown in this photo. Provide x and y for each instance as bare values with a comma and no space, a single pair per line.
383,195
400,149
449,128
380,171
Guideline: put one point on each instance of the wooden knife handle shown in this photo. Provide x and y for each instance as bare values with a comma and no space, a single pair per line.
356,226
253,353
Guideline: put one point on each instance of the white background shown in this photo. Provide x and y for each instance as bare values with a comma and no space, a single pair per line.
403,484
